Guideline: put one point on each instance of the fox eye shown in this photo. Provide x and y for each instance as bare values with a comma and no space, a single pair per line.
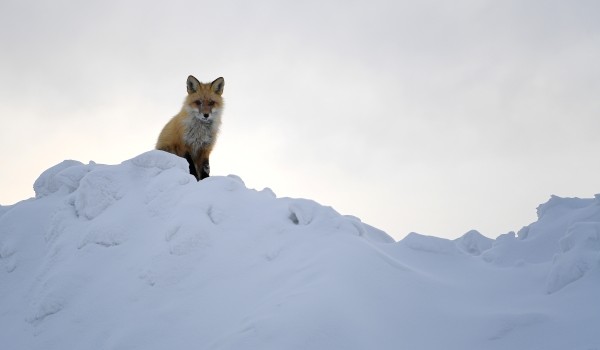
211,103
198,103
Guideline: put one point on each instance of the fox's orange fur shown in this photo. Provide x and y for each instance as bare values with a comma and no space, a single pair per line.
193,131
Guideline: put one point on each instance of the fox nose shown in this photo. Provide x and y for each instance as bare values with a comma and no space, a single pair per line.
205,115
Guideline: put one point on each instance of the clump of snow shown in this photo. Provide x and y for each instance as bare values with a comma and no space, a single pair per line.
140,255
473,243
65,175
429,244
579,255
555,206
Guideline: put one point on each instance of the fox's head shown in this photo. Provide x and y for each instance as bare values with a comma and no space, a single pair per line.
204,101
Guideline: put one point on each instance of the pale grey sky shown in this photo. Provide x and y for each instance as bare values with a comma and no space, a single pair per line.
432,116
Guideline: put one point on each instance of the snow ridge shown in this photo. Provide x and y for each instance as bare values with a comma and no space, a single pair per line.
141,256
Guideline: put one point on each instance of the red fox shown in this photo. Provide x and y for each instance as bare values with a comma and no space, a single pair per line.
193,131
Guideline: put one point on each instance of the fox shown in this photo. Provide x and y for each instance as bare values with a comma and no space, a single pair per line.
192,133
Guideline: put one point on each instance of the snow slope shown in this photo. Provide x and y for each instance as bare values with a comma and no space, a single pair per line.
141,256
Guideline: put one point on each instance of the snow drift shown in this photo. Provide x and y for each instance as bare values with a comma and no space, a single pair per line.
141,256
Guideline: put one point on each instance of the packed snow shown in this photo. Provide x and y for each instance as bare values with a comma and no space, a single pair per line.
141,256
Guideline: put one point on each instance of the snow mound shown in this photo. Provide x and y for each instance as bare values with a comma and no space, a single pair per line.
540,241
139,255
471,243
429,244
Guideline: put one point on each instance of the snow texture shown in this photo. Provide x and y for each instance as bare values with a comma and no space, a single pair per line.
141,256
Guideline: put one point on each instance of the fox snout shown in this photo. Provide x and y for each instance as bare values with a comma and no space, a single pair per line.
202,117
203,111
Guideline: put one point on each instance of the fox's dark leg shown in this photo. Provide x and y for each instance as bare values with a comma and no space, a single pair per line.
205,171
193,171
202,165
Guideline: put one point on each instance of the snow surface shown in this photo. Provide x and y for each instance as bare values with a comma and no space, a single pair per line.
141,256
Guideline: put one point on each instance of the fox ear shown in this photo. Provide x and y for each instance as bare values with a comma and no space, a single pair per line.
192,84
218,85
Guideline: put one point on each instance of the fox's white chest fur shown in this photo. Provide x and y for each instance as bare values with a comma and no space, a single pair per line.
200,134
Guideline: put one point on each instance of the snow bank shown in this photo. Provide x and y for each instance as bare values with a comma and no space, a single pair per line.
141,256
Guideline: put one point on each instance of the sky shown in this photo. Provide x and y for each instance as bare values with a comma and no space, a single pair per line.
432,117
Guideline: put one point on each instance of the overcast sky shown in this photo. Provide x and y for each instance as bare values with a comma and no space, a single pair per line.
429,116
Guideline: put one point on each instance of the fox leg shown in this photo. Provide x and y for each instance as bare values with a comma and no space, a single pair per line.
205,169
202,165
192,166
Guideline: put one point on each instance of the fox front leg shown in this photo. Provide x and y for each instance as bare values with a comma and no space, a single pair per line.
205,171
192,166
202,166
